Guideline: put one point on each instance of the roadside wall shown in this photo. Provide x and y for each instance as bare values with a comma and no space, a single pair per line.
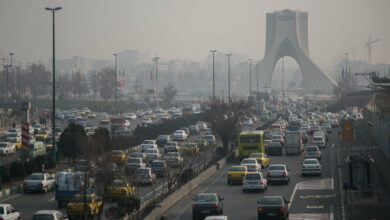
380,130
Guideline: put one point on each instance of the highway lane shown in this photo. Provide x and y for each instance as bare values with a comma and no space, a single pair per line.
310,196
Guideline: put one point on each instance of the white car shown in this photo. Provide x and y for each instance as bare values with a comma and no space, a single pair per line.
127,123
152,154
179,135
147,121
210,138
173,158
247,122
254,181
42,182
49,214
311,166
8,212
7,148
201,125
149,144
131,116
251,164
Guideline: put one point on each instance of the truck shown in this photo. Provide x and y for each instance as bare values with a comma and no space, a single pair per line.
293,143
68,184
352,110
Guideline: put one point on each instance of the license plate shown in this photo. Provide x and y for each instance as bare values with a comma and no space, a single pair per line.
271,214
205,211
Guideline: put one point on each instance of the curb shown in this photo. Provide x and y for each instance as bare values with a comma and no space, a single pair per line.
13,190
184,190
340,186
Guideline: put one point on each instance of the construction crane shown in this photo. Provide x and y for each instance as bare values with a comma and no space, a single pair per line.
369,46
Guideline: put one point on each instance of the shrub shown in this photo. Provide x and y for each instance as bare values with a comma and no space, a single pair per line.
17,170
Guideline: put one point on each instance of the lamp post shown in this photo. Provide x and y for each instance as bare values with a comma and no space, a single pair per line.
257,79
53,10
250,77
228,55
116,82
155,59
213,51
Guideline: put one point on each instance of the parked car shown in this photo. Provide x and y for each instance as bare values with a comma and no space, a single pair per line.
311,167
205,204
254,181
8,212
273,207
278,173
41,182
145,176
49,214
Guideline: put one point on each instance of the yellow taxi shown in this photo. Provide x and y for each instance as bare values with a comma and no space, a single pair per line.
104,122
236,174
75,207
151,115
190,148
42,135
165,117
118,156
91,115
15,141
81,113
90,131
262,158
120,188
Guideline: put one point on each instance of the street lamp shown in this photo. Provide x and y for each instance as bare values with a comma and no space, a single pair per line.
54,87
155,59
213,51
250,77
116,82
257,79
228,55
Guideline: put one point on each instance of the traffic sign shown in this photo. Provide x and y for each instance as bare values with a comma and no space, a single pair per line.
347,129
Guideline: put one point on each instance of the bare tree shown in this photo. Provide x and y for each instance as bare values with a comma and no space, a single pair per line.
169,93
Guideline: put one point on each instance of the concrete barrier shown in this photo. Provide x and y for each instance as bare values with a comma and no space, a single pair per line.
184,190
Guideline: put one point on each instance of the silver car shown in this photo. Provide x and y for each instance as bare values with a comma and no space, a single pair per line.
312,152
254,181
145,176
252,164
311,166
278,173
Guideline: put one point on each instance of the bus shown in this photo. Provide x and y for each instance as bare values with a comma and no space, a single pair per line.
117,122
250,142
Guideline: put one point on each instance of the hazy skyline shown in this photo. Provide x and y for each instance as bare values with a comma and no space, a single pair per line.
184,29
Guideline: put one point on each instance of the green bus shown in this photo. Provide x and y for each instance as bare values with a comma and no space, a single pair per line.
250,142
36,149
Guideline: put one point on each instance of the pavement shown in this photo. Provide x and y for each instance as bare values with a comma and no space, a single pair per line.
377,206
312,197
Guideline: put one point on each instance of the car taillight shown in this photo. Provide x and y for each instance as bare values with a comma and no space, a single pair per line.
312,141
318,166
262,182
229,174
194,207
267,173
282,209
305,153
243,182
254,167
303,166
260,209
215,206
284,173
318,153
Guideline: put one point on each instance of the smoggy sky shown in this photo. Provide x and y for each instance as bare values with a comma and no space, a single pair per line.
187,29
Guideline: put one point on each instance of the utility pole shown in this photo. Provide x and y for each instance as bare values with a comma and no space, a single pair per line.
213,51
250,77
19,85
116,83
228,55
369,47
54,87
155,59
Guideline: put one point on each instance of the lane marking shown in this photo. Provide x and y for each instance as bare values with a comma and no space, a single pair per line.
204,190
314,207
52,199
10,197
292,195
331,166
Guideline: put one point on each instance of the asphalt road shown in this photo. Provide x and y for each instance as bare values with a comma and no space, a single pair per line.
313,197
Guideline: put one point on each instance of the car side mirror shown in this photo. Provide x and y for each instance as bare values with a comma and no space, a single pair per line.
221,198
258,202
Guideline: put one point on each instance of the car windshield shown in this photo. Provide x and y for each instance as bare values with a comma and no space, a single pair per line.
273,167
157,164
172,154
237,169
252,176
148,142
317,139
255,155
246,161
133,160
151,151
271,201
311,149
36,177
118,184
142,171
42,217
136,155
310,162
205,198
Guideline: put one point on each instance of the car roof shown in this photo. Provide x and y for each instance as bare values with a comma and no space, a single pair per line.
46,212
213,194
277,165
